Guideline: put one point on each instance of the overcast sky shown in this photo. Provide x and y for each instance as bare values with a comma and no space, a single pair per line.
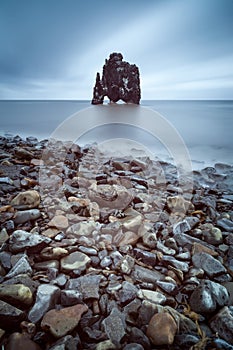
51,49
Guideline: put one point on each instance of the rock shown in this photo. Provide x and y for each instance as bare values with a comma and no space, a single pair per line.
53,253
59,221
3,236
75,261
26,200
21,240
114,326
127,264
225,224
142,274
150,239
210,265
180,265
106,345
23,216
110,196
181,227
21,267
129,238
162,329
25,280
133,346
168,287
23,154
67,343
87,285
10,316
138,337
16,294
46,298
21,341
177,204
85,228
222,323
127,293
120,81
71,297
208,296
145,256
155,297
61,322
212,235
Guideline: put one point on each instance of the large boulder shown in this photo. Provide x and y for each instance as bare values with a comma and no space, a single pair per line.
120,81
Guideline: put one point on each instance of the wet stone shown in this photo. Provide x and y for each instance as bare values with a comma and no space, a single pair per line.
10,316
114,326
22,266
27,215
210,265
208,296
26,200
61,322
33,242
46,298
142,274
222,323
16,294
127,293
75,261
162,329
87,285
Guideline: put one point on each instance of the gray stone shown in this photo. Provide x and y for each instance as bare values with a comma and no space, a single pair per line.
85,228
71,297
210,265
106,261
33,242
110,196
114,326
5,260
145,256
150,239
23,216
155,297
146,312
87,250
24,279
46,298
106,345
21,267
66,343
138,337
168,287
181,227
10,316
87,285
142,274
180,265
165,250
131,312
133,346
222,323
127,293
75,261
208,296
225,224
127,264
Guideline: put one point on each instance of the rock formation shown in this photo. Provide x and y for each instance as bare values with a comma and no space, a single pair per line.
120,81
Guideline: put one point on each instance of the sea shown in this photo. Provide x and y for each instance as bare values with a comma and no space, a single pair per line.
203,127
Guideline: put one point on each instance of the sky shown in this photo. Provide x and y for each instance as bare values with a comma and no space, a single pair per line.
52,49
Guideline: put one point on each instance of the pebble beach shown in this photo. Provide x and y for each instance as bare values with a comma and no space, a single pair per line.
100,252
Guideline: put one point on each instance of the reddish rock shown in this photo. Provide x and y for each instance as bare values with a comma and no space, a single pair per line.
162,329
61,322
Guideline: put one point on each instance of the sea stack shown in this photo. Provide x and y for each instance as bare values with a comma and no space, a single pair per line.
120,81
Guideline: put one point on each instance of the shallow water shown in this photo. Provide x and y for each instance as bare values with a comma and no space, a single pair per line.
204,126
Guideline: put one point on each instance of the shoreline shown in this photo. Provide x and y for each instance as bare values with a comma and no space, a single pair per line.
111,247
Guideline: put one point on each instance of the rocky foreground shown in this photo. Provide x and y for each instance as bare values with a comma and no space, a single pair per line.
103,254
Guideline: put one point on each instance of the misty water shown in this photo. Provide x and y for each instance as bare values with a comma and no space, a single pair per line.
203,128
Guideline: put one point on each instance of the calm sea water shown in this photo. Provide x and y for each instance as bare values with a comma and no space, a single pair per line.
206,127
